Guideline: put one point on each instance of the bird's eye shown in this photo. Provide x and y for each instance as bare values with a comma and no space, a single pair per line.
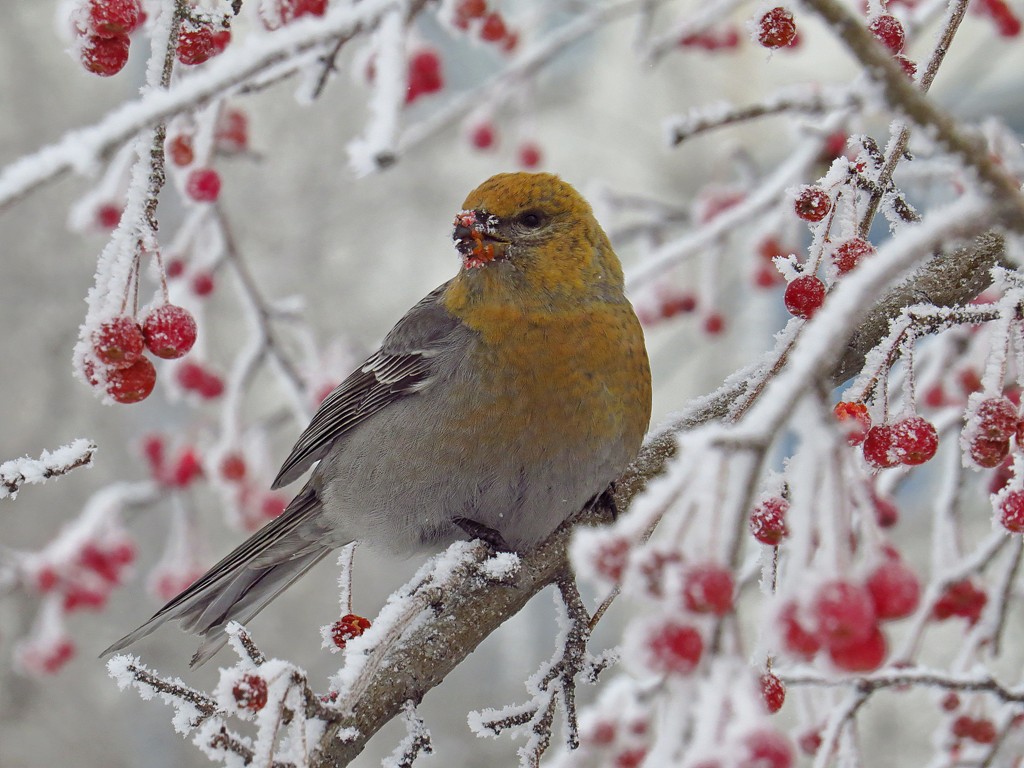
531,219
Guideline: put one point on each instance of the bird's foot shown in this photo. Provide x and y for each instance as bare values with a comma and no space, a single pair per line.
486,534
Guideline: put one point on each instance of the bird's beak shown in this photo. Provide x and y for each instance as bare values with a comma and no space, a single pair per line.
475,239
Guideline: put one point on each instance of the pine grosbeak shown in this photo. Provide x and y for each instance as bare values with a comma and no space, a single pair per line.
497,407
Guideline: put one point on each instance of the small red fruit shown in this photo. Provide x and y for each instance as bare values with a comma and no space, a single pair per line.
767,749
996,419
232,467
708,588
169,331
854,420
232,132
104,56
118,343
895,590
797,639
250,693
348,627
889,31
714,323
131,384
179,147
767,521
812,204
611,558
202,284
195,42
879,447
529,155
844,612
804,296
776,28
909,67
863,655
1011,511
915,440
272,505
110,18
961,599
483,136
675,648
470,9
187,469
108,215
773,691
203,185
424,75
493,29
849,253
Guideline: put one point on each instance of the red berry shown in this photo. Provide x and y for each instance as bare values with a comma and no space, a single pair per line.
886,513
879,447
190,375
272,505
767,521
212,386
854,420
773,692
862,655
677,303
895,590
983,731
714,323
470,9
482,136
630,758
909,67
203,185
131,384
708,588
950,702
602,734
812,204
809,741
170,331
996,419
844,612
221,39
187,469
250,693
776,29
675,648
766,277
232,132
348,627
1011,512
988,453
767,749
529,155
108,215
963,726
76,597
961,599
179,147
796,638
424,75
889,31
804,296
611,558
110,18
196,42
915,440
153,450
202,284
175,268
849,253
294,9
104,56
118,343
493,29
232,467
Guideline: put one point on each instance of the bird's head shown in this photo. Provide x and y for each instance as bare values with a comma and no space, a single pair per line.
533,228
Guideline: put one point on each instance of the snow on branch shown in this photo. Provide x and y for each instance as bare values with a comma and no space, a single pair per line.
18,472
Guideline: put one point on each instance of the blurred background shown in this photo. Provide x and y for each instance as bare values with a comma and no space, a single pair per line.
358,252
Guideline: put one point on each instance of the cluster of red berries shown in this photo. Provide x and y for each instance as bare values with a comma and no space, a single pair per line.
844,617
961,599
45,656
910,441
627,741
86,579
255,504
489,25
424,75
102,28
484,136
711,40
250,693
118,363
991,424
201,281
348,627
195,377
980,730
888,30
284,12
776,29
668,303
199,40
180,472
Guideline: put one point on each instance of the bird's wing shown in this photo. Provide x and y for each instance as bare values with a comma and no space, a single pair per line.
402,366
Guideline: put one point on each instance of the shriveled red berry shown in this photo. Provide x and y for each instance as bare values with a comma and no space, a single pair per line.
767,749
483,136
804,296
202,283
889,31
118,343
849,253
104,56
169,331
854,420
796,638
895,590
915,440
812,204
862,655
203,185
493,29
776,28
179,147
250,693
708,588
844,613
879,447
131,384
1011,511
348,627
962,599
675,648
529,155
767,521
773,692
195,42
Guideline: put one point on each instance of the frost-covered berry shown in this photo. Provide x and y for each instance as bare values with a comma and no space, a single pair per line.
708,588
844,613
529,154
854,420
104,56
203,185
895,590
110,18
849,253
131,384
776,28
250,692
812,204
879,447
889,31
1011,512
196,42
996,419
863,655
767,521
773,692
118,343
915,440
347,628
988,453
170,331
675,648
804,296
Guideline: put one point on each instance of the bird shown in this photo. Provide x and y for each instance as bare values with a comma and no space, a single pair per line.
504,402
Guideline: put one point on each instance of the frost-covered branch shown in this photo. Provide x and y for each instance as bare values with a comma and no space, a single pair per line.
18,472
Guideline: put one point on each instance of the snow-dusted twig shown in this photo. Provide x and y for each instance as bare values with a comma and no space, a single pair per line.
416,741
18,472
902,677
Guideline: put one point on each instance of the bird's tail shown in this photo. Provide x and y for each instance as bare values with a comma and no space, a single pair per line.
244,582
